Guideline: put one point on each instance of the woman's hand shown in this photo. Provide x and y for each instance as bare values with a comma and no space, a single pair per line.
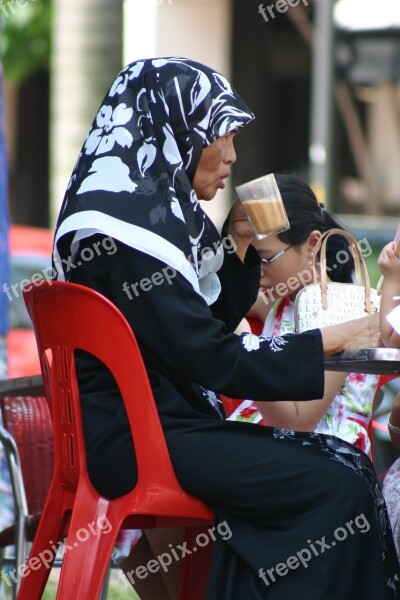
352,335
240,229
364,333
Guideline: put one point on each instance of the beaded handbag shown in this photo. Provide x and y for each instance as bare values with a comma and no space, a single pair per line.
323,302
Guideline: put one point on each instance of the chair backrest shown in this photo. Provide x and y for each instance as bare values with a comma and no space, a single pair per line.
68,317
28,420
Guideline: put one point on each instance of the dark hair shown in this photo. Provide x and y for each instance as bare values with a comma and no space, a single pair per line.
305,215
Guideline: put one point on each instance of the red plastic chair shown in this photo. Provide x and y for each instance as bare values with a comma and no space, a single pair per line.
66,317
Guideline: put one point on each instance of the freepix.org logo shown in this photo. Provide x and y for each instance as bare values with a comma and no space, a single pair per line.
314,549
10,7
280,6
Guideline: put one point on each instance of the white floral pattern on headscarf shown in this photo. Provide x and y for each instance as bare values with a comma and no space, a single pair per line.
132,180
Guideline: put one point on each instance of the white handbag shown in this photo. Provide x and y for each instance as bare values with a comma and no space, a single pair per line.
324,303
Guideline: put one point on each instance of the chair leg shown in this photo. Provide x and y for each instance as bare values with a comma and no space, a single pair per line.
13,577
196,567
88,554
20,550
44,548
104,589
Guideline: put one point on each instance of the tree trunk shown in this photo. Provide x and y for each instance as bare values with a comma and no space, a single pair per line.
86,56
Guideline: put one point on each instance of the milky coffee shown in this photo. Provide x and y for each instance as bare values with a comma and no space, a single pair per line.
267,216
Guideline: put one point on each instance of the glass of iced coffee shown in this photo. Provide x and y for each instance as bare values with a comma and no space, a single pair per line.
264,206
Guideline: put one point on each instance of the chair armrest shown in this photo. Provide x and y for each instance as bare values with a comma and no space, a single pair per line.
22,386
14,465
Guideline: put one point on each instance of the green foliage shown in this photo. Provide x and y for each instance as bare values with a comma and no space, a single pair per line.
26,28
116,590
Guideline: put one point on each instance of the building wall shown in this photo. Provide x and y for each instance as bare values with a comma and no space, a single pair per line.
196,29
268,63
86,56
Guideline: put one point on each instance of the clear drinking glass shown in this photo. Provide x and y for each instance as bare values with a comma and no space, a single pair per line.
264,206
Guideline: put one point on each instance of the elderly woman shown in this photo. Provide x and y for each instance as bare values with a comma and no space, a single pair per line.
300,507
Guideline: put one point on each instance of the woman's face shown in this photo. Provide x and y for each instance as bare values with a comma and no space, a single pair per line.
214,167
290,271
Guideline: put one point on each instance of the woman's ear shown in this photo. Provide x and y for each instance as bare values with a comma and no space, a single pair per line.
313,239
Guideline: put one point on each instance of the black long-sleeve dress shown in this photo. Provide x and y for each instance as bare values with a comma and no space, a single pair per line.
305,511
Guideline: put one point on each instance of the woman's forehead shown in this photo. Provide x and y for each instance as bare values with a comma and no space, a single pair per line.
268,244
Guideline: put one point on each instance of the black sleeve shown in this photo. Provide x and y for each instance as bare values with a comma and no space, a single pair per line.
239,283
177,332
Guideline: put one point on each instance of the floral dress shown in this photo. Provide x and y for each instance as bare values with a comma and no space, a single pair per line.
350,412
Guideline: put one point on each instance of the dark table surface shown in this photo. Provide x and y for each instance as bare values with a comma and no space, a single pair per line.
382,361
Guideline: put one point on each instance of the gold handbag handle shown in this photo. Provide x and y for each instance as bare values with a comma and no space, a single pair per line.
323,242
358,260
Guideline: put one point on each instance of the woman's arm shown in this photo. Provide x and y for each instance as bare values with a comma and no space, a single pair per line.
177,333
239,287
302,416
352,335
305,416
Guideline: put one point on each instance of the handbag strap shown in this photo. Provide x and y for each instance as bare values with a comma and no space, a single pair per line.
317,249
358,260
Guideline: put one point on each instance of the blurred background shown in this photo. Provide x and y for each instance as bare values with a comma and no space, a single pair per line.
322,76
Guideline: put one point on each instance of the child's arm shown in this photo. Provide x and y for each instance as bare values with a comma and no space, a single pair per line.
261,307
389,264
302,416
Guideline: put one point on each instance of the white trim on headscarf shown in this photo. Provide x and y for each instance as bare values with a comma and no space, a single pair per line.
90,222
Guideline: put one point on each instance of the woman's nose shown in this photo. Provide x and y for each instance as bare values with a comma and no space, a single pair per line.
230,154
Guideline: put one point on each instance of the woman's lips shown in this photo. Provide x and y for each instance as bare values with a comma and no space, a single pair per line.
221,181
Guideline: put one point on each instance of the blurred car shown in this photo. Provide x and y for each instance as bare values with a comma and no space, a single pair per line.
30,254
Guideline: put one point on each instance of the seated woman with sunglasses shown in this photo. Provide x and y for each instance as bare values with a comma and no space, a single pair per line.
286,259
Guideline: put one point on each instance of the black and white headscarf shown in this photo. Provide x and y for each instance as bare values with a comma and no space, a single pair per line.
132,179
